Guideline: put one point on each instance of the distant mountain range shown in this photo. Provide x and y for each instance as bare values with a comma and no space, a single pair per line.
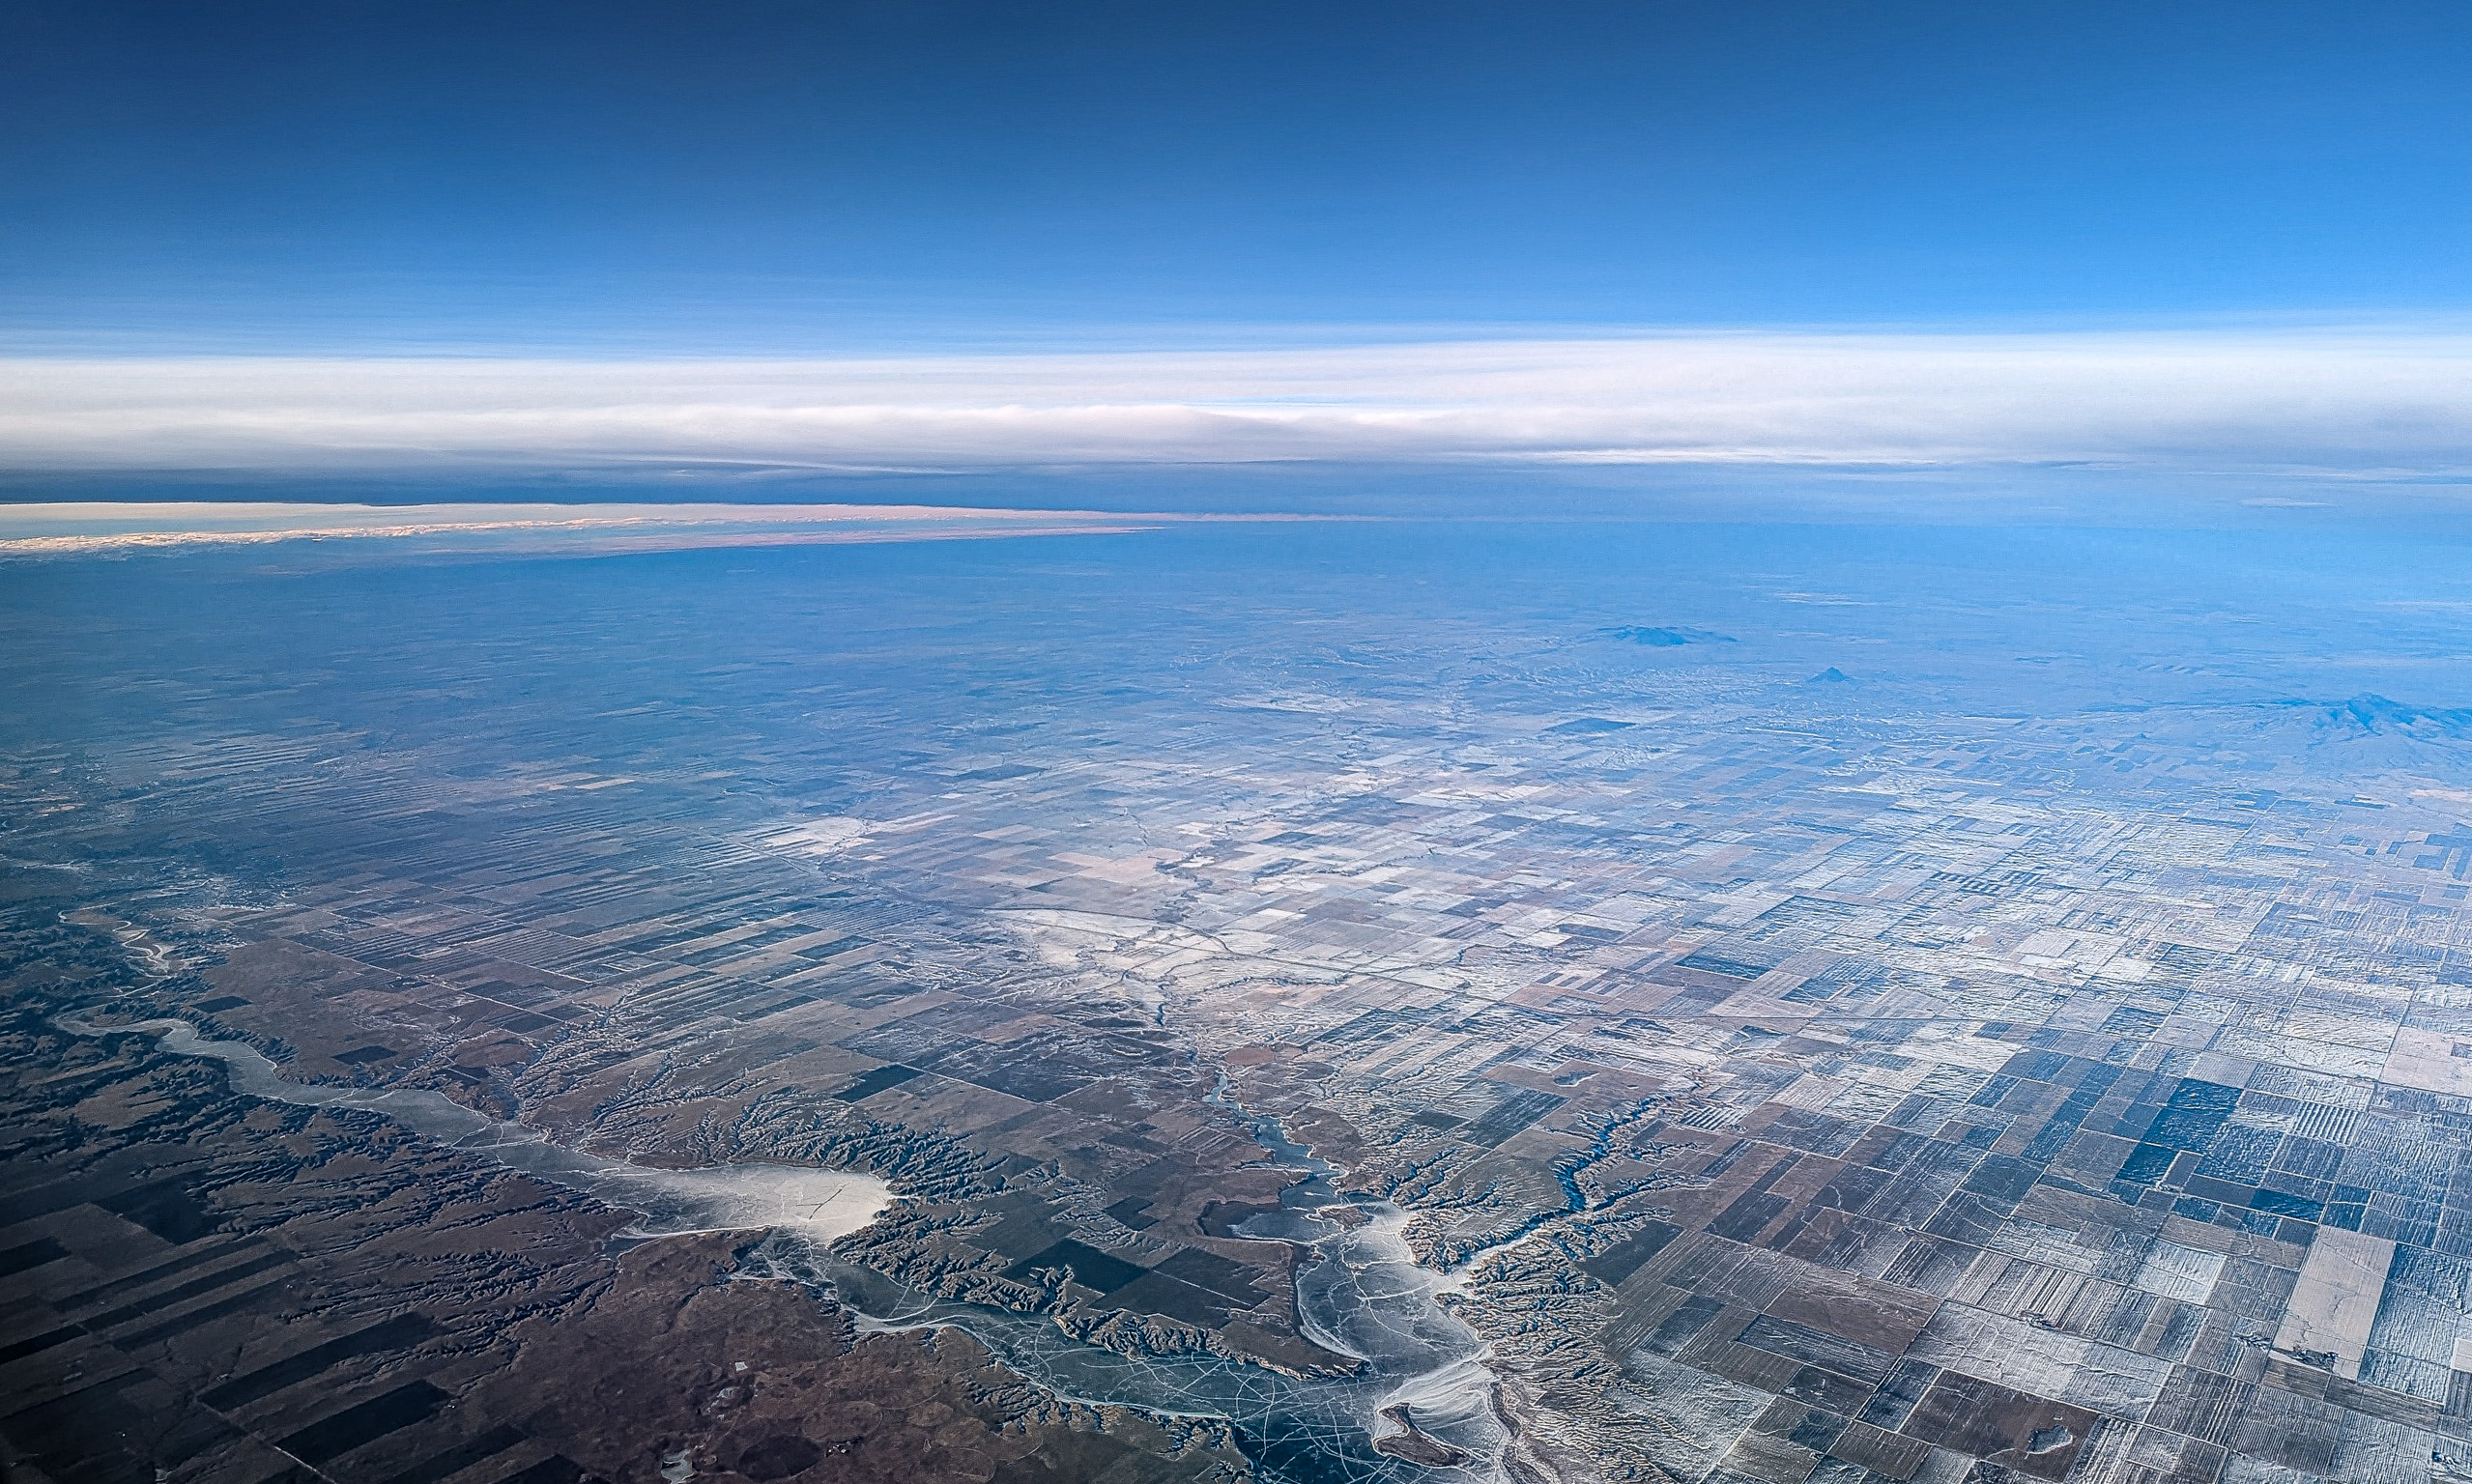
1666,638
2372,715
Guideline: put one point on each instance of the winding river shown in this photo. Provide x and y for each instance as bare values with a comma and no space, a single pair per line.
1359,1292
818,1205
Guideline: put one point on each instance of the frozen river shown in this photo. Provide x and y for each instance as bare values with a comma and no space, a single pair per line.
1360,1294
818,1205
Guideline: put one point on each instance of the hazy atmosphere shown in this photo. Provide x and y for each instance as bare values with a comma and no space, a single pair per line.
1365,744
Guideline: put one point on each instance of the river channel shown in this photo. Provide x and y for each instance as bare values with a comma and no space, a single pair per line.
1359,1292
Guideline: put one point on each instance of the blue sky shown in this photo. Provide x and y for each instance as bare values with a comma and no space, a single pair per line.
812,183
792,177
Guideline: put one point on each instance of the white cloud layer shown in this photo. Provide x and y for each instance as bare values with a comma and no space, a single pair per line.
87,527
2332,401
